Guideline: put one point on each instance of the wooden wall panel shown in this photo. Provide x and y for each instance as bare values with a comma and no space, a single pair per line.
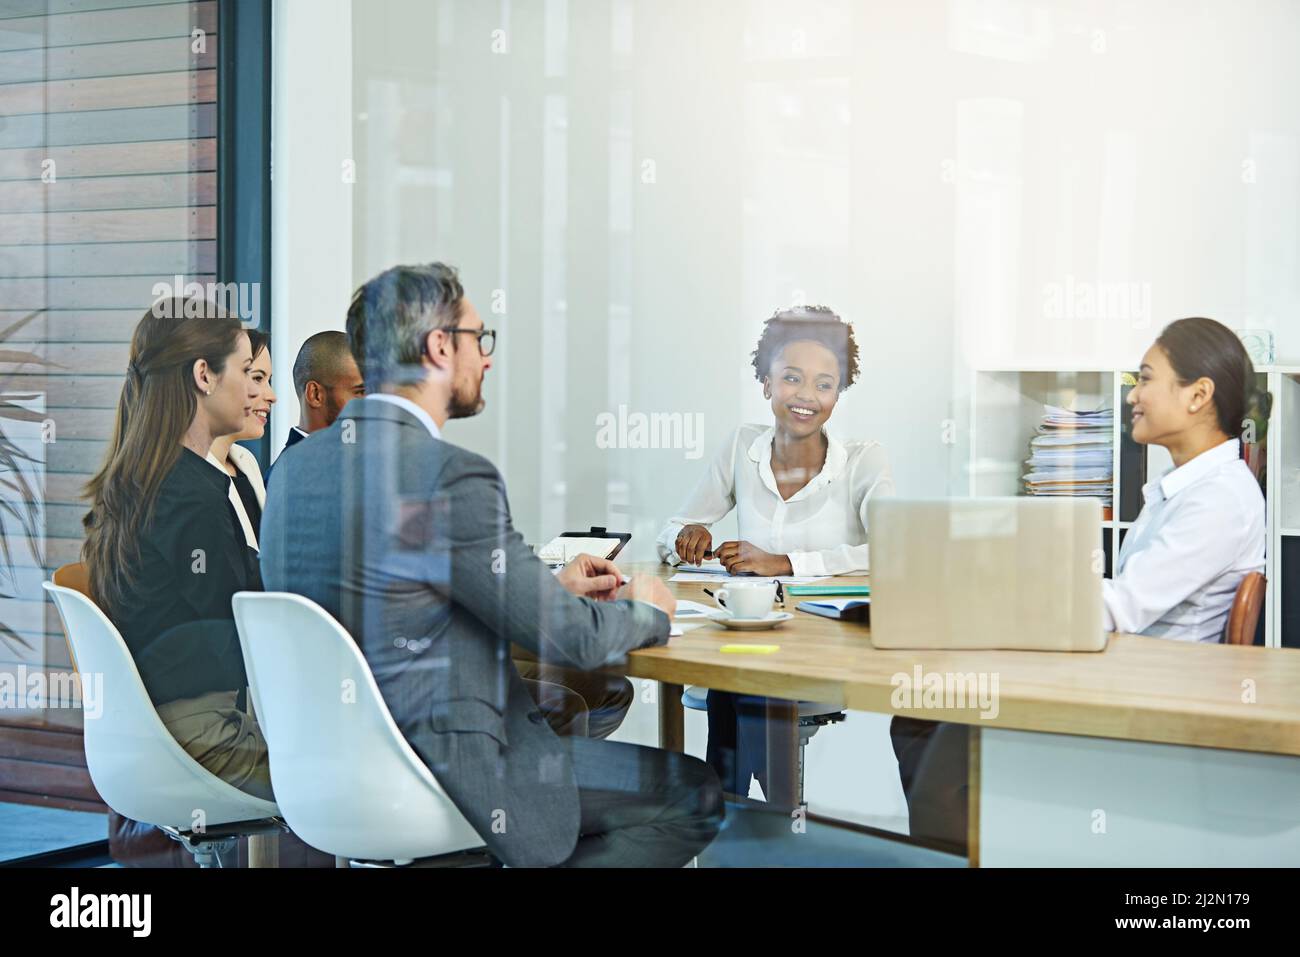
86,292
82,424
98,259
107,186
107,59
91,392
112,159
109,93
109,192
32,745
63,780
109,26
126,225
109,126
13,9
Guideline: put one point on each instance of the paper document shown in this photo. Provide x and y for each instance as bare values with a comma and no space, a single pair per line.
565,550
711,567
693,609
706,578
713,571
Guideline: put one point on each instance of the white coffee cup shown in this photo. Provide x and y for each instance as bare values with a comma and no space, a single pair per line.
747,599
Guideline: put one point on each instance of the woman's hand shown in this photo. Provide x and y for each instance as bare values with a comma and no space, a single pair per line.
739,557
693,542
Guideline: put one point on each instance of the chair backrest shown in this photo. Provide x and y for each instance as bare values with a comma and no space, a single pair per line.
346,780
77,577
137,767
1243,619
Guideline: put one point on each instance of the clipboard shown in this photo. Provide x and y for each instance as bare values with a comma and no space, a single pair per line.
556,551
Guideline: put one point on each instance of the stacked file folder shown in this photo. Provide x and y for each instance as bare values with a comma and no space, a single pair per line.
1071,455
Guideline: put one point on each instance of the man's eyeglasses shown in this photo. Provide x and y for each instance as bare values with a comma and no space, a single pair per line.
487,338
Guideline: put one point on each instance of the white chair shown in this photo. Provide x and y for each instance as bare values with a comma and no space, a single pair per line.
345,778
137,767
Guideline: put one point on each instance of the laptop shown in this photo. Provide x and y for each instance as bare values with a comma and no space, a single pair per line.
1014,573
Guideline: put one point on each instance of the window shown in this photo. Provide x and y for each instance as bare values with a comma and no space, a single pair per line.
109,188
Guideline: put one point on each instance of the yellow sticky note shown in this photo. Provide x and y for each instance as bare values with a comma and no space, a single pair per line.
749,649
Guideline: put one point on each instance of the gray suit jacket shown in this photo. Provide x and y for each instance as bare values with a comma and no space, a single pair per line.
407,541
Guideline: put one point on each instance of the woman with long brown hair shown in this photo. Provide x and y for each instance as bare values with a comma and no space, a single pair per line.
161,547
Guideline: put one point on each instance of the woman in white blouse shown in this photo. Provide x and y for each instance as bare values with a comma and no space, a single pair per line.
800,497
248,491
1201,528
1200,532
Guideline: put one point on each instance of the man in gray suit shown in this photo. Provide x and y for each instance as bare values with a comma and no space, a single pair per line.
590,703
408,541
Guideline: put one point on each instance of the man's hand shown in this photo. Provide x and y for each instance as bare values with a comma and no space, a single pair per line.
647,588
737,557
692,543
590,577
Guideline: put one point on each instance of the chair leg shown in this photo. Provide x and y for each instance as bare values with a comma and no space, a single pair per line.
803,748
782,752
205,856
219,847
264,850
208,854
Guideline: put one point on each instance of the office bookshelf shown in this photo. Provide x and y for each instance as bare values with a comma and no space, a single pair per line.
1006,407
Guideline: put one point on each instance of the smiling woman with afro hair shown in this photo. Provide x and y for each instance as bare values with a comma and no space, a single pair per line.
800,496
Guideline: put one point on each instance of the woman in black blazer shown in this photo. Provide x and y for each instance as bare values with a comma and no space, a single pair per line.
161,547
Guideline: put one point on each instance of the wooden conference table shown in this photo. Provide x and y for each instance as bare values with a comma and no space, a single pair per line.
1151,752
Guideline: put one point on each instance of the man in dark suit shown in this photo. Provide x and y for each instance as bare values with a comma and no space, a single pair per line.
408,541
326,378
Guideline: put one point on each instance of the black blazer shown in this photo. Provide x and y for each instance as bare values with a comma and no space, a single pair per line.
176,619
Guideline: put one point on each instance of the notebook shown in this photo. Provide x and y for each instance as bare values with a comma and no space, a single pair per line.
842,609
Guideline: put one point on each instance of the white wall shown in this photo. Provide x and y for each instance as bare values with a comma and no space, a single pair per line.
311,204
636,184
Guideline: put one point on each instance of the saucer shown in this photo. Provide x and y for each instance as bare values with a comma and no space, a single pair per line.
727,620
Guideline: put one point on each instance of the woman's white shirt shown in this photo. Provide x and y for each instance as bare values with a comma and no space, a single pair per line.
246,462
1200,532
822,527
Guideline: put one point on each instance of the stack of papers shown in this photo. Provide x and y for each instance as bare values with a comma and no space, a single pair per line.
1071,454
